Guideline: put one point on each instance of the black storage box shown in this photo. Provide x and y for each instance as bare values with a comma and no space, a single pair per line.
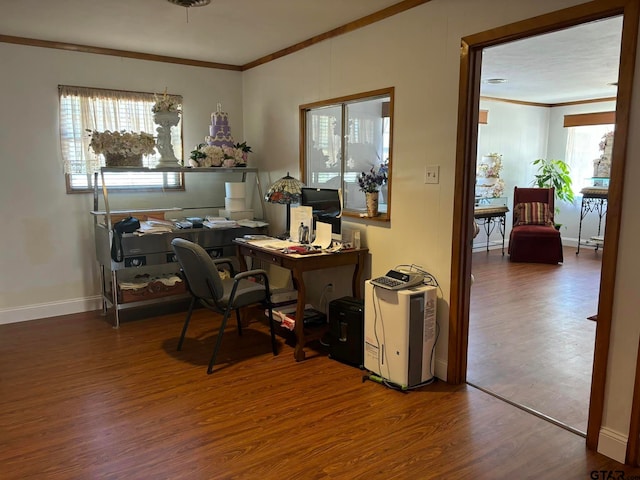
346,330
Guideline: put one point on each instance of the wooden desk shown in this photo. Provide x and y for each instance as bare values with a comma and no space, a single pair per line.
298,264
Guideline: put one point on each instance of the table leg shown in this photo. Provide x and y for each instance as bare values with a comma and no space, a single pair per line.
298,352
502,226
114,297
582,214
241,260
357,276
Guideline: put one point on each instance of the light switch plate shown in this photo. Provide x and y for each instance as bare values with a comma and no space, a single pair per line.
432,174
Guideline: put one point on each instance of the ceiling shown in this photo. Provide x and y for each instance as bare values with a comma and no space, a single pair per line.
577,63
573,64
232,32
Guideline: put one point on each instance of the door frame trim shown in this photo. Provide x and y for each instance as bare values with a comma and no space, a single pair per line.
467,140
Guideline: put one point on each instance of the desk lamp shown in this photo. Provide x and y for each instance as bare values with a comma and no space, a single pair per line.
285,191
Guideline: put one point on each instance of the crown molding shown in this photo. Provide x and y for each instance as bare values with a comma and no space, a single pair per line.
549,105
349,27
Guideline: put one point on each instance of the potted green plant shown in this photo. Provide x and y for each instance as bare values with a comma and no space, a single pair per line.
554,173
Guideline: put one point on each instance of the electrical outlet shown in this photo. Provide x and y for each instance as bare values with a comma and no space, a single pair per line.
432,174
329,287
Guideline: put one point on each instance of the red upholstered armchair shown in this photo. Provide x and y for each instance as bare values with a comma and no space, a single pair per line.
534,237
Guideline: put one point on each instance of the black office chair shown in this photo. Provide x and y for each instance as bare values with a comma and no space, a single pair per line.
203,281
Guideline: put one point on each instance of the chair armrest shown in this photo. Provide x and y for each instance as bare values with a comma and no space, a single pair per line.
225,261
251,273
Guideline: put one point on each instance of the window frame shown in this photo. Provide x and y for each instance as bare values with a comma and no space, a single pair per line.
168,182
579,168
343,103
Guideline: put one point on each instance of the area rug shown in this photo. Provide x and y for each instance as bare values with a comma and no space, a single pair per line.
593,317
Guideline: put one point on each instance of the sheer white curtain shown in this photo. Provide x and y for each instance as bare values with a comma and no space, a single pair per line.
323,135
84,108
582,149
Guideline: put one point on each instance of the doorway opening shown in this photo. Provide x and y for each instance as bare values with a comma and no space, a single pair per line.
531,342
467,143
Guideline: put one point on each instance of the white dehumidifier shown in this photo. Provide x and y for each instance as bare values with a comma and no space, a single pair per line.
400,333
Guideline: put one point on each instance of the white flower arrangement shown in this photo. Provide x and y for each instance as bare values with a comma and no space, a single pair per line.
122,143
214,156
606,139
490,170
497,188
166,103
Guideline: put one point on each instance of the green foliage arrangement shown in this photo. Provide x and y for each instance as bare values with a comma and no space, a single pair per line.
554,173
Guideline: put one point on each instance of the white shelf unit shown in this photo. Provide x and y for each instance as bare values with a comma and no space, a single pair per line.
152,253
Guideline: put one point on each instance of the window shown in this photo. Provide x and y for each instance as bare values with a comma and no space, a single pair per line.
583,149
360,126
83,109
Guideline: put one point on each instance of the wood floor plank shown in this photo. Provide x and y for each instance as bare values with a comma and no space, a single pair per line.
529,337
81,400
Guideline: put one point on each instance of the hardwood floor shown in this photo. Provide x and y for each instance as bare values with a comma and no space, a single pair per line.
80,400
529,337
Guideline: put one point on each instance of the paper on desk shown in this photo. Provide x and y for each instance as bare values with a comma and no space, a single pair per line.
252,223
265,241
323,235
219,223
154,226
276,244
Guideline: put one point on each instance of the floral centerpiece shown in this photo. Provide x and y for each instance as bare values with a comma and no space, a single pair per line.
166,103
602,164
488,181
607,139
205,155
493,169
122,148
372,181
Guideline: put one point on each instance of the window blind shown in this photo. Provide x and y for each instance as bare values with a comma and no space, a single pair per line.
85,109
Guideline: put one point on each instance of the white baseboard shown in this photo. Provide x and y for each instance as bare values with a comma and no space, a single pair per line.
441,369
612,444
570,242
53,309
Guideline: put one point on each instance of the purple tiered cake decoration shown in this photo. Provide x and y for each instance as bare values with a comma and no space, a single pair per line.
219,130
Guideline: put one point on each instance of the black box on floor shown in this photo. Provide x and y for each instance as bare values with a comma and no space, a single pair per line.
346,330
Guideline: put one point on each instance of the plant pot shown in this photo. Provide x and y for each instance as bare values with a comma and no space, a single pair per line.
120,160
372,203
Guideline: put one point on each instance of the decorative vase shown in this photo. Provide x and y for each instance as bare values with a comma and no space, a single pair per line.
120,160
166,120
372,203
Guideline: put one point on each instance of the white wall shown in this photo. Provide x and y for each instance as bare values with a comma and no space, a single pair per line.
520,134
418,53
376,57
47,257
